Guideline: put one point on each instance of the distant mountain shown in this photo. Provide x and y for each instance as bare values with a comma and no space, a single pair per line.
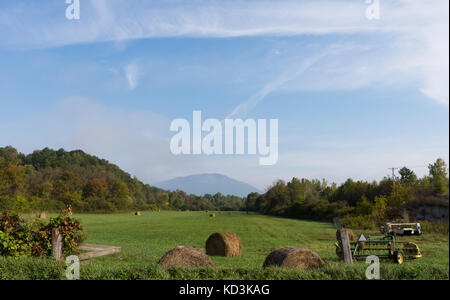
208,184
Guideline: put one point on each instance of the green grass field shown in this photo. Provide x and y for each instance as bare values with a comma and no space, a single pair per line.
144,239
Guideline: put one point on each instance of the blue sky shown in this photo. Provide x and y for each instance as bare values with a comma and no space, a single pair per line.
353,96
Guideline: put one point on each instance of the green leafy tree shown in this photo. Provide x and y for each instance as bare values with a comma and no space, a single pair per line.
120,195
380,205
397,200
439,176
407,176
251,203
364,207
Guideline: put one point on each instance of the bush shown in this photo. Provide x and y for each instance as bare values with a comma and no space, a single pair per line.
15,238
358,222
71,230
18,238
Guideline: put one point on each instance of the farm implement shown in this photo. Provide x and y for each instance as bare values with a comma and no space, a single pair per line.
401,229
386,247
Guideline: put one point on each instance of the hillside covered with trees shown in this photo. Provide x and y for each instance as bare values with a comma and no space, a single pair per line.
49,180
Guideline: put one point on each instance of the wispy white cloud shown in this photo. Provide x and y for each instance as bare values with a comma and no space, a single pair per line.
245,107
117,20
419,28
296,68
132,74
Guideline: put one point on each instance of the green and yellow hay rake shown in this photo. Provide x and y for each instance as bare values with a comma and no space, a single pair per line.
383,247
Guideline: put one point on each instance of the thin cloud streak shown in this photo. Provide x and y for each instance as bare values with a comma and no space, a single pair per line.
132,74
118,20
245,107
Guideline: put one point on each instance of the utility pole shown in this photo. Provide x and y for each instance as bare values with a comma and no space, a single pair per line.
393,172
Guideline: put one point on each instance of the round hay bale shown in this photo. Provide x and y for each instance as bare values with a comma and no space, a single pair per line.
294,258
351,236
42,215
186,257
224,244
212,215
138,213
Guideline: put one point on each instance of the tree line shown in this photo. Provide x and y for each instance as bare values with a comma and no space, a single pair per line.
49,180
359,204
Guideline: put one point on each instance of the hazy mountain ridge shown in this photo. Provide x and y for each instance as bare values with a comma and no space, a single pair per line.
201,184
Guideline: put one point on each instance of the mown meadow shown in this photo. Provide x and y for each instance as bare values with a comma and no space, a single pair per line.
144,239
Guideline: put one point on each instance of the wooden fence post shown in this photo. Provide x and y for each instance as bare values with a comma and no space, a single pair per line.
57,244
345,246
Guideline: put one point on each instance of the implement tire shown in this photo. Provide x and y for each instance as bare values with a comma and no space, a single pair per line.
399,257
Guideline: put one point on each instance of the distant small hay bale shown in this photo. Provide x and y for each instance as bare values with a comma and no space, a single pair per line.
294,258
212,215
351,236
42,215
138,213
185,257
224,244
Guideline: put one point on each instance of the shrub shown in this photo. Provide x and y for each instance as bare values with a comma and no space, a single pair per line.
358,222
18,238
15,238
71,230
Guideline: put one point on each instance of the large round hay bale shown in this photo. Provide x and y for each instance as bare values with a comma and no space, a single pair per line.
224,244
186,257
351,236
294,258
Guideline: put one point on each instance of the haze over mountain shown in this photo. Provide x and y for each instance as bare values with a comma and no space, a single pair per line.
208,184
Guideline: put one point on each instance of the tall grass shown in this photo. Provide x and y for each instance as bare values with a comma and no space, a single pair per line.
46,269
439,227
146,238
